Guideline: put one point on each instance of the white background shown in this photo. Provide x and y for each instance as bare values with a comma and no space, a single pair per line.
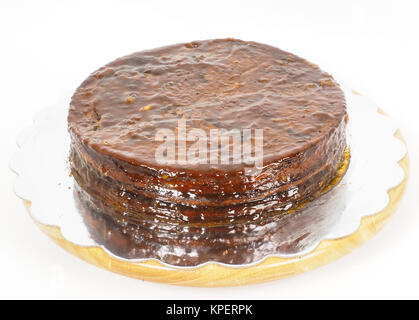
48,47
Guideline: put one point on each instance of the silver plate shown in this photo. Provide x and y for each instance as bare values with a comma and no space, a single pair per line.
43,179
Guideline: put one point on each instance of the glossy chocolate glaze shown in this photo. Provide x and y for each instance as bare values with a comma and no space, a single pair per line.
226,84
234,240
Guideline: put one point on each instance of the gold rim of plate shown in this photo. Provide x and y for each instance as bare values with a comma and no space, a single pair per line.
215,275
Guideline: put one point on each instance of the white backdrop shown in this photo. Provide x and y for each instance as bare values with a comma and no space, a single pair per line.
48,47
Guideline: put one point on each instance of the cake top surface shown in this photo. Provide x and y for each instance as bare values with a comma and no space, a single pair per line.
214,84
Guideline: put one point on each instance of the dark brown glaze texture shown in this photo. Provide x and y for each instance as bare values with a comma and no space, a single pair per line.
167,234
116,112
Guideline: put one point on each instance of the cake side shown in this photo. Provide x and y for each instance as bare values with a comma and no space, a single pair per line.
180,240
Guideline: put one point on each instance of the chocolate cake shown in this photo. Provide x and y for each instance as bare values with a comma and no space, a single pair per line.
215,208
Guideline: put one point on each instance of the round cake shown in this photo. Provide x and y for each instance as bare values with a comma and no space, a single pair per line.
193,152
